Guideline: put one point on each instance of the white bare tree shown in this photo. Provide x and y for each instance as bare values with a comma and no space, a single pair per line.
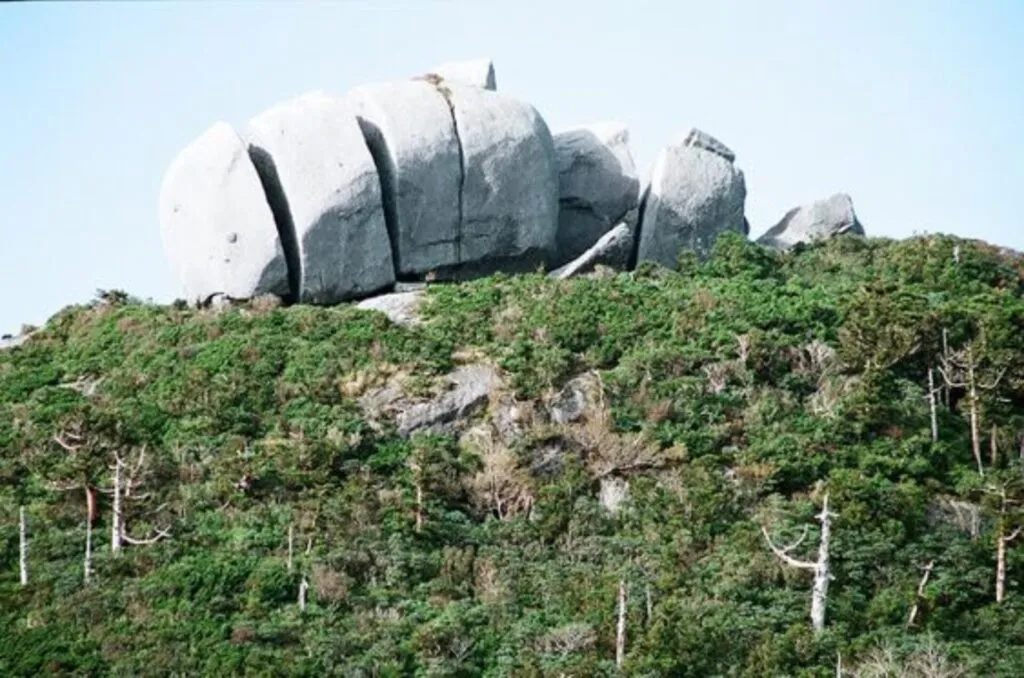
820,567
920,592
620,630
23,546
124,485
960,370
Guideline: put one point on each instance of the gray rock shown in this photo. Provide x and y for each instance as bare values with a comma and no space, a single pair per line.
614,491
508,419
694,195
470,388
473,72
409,129
572,402
8,342
696,138
402,308
597,185
217,229
509,198
817,221
613,250
323,183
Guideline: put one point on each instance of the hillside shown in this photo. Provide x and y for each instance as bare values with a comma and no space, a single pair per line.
634,433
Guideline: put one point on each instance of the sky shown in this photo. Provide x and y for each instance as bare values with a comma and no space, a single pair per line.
914,108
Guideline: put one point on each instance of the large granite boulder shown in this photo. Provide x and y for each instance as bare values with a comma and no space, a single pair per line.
818,221
695,193
597,186
613,249
323,186
509,187
401,308
409,130
474,72
217,228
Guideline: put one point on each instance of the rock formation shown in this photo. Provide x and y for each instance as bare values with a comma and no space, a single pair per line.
325,199
809,223
597,186
473,72
325,194
695,193
217,228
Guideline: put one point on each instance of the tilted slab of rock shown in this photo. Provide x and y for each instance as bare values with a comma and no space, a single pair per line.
509,196
473,72
696,138
323,184
694,195
216,225
597,185
409,129
613,250
819,220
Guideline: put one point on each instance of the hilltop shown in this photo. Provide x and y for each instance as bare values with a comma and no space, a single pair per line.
531,472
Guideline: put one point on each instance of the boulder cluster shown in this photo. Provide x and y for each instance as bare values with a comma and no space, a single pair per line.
324,199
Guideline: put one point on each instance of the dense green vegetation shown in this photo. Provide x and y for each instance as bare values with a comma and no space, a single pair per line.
734,394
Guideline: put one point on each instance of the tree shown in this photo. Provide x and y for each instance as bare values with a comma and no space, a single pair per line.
820,567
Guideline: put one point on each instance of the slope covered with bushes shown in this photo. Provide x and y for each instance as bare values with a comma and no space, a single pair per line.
731,398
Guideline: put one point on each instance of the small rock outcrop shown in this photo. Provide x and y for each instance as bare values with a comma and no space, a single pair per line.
323,187
216,225
470,386
818,221
402,308
409,130
597,186
473,72
695,193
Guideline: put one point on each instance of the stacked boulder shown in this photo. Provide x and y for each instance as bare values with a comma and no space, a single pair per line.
325,199
695,193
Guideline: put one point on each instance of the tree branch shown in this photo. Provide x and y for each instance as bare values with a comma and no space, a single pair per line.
784,553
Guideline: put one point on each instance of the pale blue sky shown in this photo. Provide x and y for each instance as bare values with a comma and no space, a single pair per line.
914,108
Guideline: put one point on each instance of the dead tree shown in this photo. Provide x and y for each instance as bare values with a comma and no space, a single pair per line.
620,631
920,593
124,484
960,370
1001,542
23,546
87,563
820,567
933,396
303,590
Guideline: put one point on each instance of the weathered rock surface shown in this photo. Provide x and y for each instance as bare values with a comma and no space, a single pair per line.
694,195
8,341
509,197
410,132
572,402
216,225
817,221
470,388
473,72
324,188
614,491
597,185
402,308
613,250
696,138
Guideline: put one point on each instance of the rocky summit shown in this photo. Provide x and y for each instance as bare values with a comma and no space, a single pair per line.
328,198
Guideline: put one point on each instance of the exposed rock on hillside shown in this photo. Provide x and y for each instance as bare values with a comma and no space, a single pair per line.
808,223
474,72
598,186
322,185
216,226
695,193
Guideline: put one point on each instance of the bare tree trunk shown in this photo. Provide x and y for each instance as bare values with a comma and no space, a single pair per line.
87,564
620,633
820,568
1001,543
975,415
819,593
993,443
932,398
23,546
920,593
419,506
945,361
303,590
291,546
117,522
650,603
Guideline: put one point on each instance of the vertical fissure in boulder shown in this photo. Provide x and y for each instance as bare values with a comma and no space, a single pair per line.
445,92
375,143
278,202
